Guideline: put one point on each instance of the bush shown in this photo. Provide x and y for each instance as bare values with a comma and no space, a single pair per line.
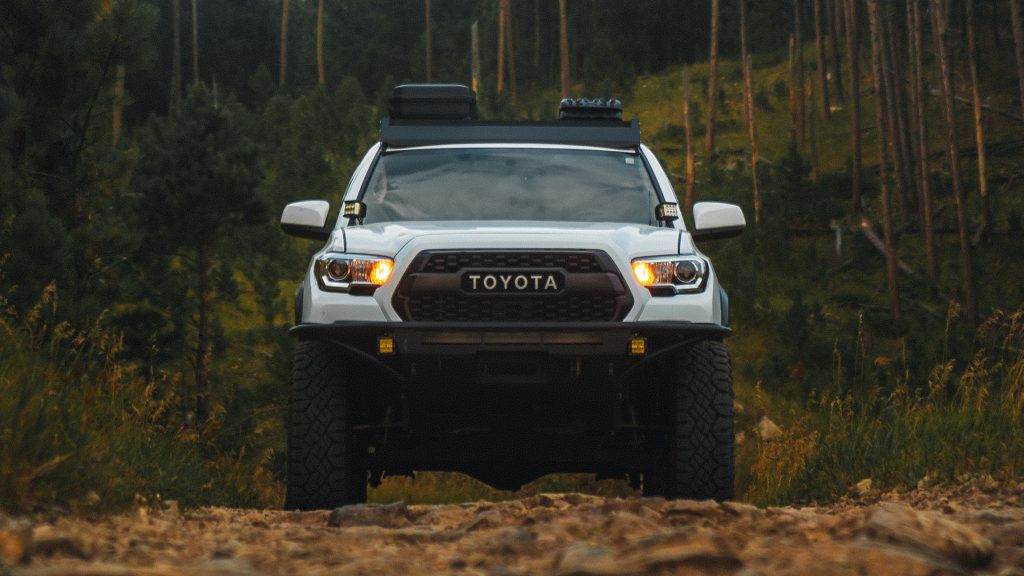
964,419
81,429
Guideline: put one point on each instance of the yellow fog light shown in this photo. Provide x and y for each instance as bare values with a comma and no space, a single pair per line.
638,346
385,345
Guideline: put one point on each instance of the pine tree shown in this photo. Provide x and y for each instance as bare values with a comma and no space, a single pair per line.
195,42
939,28
428,42
819,49
691,170
800,90
175,97
1017,23
196,180
853,66
921,126
709,138
836,12
877,53
979,130
282,68
321,75
563,44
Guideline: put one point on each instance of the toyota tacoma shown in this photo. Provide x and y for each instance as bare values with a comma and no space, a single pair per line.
507,300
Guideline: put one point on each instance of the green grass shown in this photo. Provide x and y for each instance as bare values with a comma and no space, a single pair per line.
965,420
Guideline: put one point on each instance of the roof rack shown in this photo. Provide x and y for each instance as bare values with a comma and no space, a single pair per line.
601,133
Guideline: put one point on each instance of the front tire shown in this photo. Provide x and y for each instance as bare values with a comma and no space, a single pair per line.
701,442
324,467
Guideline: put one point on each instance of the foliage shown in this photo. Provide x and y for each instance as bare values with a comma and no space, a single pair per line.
80,428
58,175
966,419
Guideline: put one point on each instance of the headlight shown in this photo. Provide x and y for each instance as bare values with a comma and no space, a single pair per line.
356,274
671,274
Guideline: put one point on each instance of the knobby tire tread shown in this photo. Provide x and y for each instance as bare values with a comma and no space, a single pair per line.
323,470
702,441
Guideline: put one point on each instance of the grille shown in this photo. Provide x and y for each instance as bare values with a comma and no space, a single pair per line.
498,309
572,262
458,306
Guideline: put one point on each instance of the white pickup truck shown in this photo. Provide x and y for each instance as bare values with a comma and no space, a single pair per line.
509,299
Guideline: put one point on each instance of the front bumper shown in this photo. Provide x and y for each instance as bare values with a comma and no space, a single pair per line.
469,338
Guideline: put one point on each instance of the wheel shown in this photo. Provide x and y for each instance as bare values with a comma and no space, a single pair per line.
701,441
324,468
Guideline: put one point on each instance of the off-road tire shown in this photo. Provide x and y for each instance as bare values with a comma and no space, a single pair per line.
701,440
324,469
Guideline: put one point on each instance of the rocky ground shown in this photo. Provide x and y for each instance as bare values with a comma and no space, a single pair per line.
933,531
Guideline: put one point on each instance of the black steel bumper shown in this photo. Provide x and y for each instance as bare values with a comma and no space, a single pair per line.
468,338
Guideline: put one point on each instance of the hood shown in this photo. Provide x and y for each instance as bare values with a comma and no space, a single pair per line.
632,240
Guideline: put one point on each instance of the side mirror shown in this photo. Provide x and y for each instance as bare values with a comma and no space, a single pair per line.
714,220
307,219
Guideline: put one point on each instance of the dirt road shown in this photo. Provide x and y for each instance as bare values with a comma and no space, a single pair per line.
922,532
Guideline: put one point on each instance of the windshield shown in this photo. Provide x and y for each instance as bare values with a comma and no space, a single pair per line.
510,184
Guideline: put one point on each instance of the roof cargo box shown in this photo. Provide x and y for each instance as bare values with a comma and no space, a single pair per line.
432,102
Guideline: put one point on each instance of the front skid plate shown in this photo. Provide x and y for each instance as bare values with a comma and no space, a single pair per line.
467,338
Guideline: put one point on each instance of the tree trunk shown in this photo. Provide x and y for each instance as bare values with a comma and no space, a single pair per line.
282,68
709,138
755,156
321,75
979,132
474,34
195,42
853,64
812,132
118,105
501,45
202,366
536,37
175,98
939,27
837,66
819,47
510,45
743,58
883,171
997,36
748,108
691,165
793,117
428,49
801,96
563,46
902,124
921,123
1017,23
889,105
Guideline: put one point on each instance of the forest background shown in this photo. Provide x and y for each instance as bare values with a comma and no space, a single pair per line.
147,148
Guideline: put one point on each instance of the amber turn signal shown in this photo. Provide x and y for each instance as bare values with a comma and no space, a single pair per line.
644,273
381,271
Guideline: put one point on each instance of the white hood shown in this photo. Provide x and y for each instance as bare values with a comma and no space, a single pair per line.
629,240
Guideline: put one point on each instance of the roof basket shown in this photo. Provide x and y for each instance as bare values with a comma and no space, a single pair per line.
432,102
590,109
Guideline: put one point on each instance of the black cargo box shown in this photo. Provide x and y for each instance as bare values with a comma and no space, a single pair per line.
432,102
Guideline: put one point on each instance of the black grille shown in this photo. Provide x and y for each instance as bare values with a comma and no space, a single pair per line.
521,309
572,262
610,302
